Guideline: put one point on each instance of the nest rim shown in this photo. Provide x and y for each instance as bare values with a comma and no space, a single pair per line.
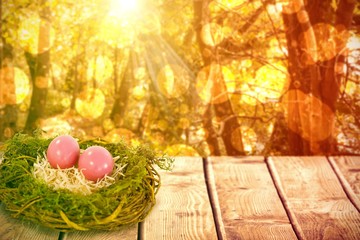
127,201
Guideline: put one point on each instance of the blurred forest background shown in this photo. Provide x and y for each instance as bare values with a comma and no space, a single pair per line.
190,77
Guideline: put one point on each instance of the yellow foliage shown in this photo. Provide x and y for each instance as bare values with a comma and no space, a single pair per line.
181,150
116,32
184,109
212,34
229,4
162,125
214,82
184,123
29,34
266,86
121,134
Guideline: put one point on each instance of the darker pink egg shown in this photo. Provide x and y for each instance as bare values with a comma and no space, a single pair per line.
96,162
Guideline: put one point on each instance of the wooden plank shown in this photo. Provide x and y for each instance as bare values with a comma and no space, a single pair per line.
347,169
246,200
15,229
314,198
183,210
127,233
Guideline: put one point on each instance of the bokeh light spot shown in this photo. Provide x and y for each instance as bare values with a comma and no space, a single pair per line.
266,86
230,4
327,42
173,80
316,118
15,85
66,102
211,34
22,84
120,134
139,92
90,103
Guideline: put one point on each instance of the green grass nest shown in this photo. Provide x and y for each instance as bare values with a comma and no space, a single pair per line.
127,201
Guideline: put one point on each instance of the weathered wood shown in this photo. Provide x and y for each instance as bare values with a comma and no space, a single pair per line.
248,203
314,198
15,229
183,210
128,233
348,171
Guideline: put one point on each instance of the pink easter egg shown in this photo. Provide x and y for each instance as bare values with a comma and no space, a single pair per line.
96,162
63,152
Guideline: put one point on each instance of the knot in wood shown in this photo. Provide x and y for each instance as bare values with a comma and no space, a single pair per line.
297,84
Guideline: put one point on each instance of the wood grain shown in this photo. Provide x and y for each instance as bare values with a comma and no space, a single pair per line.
183,210
348,171
15,229
314,198
248,203
127,233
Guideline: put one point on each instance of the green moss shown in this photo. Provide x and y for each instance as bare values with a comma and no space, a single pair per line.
127,201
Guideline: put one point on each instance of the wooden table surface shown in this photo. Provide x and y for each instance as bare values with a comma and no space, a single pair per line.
239,198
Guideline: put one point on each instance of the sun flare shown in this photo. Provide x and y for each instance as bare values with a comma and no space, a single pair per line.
122,7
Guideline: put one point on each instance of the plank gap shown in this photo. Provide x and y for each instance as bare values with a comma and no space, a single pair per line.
183,209
61,236
279,189
344,183
213,200
140,230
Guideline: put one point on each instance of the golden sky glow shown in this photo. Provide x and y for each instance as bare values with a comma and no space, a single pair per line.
110,61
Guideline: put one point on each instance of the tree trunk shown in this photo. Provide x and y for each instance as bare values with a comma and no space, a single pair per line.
122,82
314,72
230,131
211,137
39,65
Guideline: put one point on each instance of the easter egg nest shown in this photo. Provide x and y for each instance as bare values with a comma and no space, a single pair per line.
30,192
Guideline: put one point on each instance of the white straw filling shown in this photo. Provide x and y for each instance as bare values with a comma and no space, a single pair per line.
72,178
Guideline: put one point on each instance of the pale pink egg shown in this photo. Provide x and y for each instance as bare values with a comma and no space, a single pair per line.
96,162
63,152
